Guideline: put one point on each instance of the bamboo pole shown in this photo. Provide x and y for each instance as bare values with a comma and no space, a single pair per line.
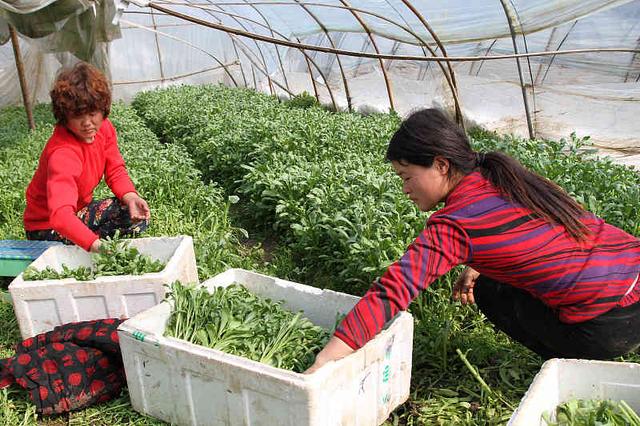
422,43
21,77
264,61
452,75
364,26
267,25
559,46
493,43
516,15
175,77
308,59
155,35
178,39
508,12
633,60
331,42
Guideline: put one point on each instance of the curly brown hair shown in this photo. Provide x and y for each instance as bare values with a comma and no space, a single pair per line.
79,90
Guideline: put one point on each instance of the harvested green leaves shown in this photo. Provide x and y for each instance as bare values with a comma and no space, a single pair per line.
115,258
593,412
82,273
235,321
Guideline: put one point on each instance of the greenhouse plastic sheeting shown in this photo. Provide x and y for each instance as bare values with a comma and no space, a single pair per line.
595,93
81,27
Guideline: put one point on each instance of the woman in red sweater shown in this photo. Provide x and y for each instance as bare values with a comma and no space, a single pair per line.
82,149
551,275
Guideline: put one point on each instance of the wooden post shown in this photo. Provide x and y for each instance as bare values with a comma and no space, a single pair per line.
23,82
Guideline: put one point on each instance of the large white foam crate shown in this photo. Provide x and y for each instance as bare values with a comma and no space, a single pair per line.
186,384
561,380
41,305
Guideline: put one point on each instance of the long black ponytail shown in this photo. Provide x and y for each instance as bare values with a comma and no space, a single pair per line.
427,133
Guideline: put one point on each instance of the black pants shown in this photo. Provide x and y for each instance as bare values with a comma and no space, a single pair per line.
530,322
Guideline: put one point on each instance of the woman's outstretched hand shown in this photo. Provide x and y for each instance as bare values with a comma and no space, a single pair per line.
463,288
334,350
95,247
138,207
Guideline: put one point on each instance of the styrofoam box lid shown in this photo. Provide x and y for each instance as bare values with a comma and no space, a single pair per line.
158,248
561,380
320,306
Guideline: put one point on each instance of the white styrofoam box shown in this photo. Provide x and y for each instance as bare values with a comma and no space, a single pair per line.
42,305
561,380
187,384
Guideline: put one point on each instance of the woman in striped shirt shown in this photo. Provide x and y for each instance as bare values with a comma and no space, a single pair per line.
551,275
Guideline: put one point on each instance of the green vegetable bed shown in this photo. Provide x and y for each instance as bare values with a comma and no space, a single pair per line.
318,179
317,184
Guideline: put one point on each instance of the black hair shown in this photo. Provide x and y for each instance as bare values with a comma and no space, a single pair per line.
428,133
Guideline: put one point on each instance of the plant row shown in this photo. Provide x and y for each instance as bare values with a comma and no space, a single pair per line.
318,178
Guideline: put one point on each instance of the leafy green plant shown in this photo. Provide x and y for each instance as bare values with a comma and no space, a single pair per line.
117,257
19,153
181,204
592,412
234,320
164,174
82,273
303,100
318,182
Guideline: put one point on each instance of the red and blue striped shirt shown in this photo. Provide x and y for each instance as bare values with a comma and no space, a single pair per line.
503,240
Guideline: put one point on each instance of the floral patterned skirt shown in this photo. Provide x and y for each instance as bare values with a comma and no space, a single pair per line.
104,217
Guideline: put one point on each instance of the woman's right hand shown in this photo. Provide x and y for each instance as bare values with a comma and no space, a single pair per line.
95,247
138,207
463,288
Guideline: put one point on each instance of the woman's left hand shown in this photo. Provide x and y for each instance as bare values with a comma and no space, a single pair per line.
138,207
335,349
463,288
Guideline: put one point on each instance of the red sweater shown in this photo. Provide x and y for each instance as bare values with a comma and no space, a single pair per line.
68,172
502,240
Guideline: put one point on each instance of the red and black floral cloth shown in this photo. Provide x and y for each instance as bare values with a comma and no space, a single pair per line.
69,368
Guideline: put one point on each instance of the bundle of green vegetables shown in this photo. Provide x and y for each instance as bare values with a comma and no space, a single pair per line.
235,321
116,257
593,412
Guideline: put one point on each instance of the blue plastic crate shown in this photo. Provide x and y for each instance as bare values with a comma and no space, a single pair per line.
16,255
